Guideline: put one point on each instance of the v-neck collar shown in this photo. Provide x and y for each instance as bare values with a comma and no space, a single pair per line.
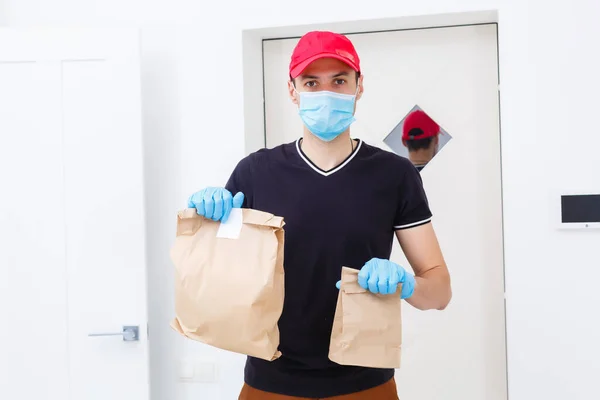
334,169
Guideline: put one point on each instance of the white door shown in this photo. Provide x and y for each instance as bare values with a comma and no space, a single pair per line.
452,74
72,237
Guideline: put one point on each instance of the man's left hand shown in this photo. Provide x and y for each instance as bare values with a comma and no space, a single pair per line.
383,276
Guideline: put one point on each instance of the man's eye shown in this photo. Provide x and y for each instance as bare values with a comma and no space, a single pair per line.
340,81
310,84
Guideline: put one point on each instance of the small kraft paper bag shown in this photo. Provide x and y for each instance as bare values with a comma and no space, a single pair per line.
229,281
367,327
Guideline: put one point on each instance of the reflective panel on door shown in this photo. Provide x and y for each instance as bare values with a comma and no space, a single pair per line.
417,137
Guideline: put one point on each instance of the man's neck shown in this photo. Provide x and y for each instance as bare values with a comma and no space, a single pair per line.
327,155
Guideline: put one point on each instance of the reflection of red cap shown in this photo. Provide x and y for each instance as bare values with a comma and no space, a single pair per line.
318,44
419,125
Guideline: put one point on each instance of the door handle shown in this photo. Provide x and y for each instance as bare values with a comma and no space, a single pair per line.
129,333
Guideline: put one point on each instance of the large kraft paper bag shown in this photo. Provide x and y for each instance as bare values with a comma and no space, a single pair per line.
229,281
367,327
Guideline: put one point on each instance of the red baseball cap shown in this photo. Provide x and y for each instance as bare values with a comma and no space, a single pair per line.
423,126
322,44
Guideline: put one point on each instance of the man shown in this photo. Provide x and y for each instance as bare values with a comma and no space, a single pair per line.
420,135
342,207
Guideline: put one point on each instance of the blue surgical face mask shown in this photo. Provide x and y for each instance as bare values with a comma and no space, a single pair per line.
326,114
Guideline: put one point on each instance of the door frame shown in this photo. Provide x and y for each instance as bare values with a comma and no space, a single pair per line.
254,82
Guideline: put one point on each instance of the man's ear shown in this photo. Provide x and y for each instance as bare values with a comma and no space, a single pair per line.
360,87
292,92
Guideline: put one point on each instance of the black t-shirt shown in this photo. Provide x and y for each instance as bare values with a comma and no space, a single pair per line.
341,217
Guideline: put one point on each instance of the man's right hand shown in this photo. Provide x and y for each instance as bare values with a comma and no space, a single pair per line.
215,203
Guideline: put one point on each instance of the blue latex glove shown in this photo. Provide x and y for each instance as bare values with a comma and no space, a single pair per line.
215,203
383,276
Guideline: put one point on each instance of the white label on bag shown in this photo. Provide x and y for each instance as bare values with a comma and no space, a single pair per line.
231,228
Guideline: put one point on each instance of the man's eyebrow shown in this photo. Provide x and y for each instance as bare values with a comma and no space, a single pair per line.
343,73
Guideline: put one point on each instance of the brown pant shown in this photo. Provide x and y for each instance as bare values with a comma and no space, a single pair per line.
387,391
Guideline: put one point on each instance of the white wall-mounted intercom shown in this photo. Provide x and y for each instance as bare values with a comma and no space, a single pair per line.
578,210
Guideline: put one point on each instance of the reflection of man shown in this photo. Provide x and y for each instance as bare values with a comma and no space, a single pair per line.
420,135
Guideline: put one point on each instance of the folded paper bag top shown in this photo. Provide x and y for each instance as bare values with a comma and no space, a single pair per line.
229,281
367,327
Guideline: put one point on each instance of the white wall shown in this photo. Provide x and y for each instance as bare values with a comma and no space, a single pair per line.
193,119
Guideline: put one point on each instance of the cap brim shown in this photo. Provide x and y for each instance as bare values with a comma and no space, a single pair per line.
425,136
297,70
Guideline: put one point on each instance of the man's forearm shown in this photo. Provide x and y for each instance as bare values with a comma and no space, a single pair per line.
432,290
